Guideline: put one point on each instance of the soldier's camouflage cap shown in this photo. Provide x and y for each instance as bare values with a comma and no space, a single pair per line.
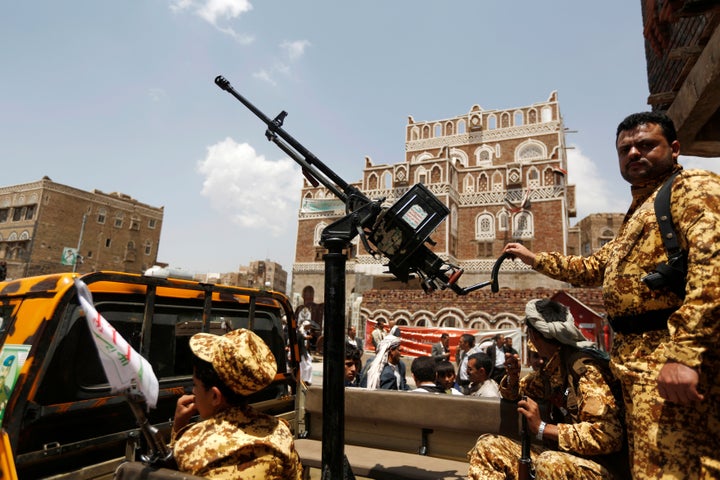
241,359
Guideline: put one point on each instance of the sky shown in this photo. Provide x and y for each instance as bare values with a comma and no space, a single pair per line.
120,97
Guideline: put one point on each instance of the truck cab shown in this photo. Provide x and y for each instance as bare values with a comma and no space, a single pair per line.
58,415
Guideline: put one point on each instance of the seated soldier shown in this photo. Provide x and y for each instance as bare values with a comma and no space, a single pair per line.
232,440
582,433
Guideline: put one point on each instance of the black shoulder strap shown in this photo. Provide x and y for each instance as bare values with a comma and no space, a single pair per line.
664,217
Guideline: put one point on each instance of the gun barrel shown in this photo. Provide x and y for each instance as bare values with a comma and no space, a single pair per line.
299,153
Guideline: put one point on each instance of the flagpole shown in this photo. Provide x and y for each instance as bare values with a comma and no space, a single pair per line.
77,252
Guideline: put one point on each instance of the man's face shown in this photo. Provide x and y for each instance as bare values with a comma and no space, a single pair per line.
463,345
350,369
645,154
445,341
475,374
508,341
500,341
394,355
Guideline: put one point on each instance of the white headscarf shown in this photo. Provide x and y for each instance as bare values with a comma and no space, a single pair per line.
564,332
380,360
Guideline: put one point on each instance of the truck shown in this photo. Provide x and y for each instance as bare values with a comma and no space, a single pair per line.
59,417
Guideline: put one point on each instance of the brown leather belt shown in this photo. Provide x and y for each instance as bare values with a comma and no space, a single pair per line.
642,322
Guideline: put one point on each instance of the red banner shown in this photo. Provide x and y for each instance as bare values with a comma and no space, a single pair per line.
418,341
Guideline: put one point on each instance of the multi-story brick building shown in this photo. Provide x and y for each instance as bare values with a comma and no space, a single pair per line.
596,230
502,176
46,226
259,274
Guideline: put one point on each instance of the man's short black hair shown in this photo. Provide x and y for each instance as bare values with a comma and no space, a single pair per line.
642,118
423,369
482,360
444,367
444,335
352,352
468,338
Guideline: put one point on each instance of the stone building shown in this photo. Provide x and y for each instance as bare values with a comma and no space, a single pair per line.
596,230
45,227
259,274
502,174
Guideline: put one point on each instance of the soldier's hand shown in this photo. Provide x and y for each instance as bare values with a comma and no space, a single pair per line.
521,252
184,411
512,366
678,383
529,408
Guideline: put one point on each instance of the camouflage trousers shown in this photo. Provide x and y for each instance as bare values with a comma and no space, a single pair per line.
496,457
671,441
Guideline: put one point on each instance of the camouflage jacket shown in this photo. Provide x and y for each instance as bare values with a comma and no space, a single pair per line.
590,424
238,443
636,250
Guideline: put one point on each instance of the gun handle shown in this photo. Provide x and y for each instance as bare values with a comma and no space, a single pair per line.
525,469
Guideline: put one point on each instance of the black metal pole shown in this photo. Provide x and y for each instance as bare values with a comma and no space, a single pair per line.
333,429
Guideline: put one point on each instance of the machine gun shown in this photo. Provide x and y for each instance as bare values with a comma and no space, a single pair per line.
399,232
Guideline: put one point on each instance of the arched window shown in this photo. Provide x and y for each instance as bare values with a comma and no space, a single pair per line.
505,120
485,227
492,122
530,150
533,177
503,221
497,182
438,130
421,176
532,116
414,133
372,182
469,184
318,232
546,114
453,220
483,183
519,118
523,225
461,126
387,180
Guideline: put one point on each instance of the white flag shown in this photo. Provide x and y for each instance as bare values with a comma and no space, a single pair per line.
121,363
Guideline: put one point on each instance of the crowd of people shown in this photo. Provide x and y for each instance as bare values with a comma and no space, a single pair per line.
651,409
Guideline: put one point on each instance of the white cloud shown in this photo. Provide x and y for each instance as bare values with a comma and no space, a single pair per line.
296,49
265,76
592,192
293,51
712,164
214,10
156,94
256,193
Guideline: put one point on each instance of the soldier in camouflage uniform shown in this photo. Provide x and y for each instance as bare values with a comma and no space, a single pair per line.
665,349
584,423
233,441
